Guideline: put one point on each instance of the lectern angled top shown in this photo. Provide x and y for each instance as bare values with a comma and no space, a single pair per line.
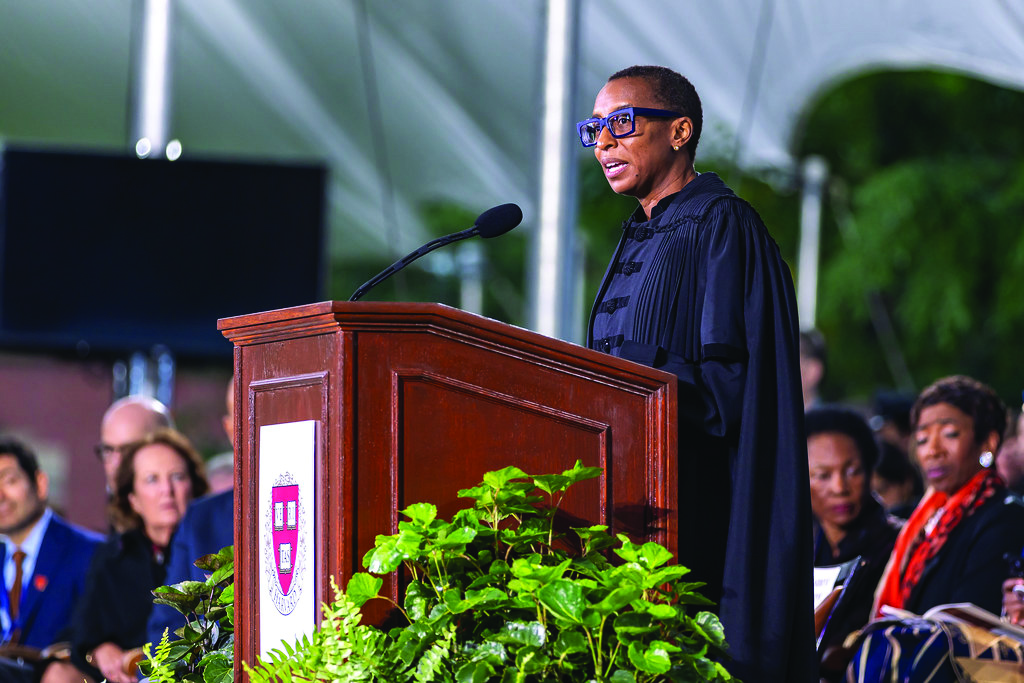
409,402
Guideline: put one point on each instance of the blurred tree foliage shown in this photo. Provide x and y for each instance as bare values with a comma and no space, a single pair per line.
923,219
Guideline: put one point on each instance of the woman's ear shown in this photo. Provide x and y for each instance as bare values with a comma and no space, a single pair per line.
682,129
991,443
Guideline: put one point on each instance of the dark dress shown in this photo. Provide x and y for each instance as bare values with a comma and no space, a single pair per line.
871,537
117,598
700,291
970,566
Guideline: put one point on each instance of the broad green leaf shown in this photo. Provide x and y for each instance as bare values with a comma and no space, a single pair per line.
184,596
622,676
531,661
657,610
629,551
482,494
634,623
654,659
421,513
409,544
499,478
616,600
499,567
383,559
531,568
569,642
413,640
710,625
363,587
210,563
453,601
531,633
666,574
457,538
474,672
227,596
417,597
652,555
594,538
487,598
550,483
217,669
580,473
564,599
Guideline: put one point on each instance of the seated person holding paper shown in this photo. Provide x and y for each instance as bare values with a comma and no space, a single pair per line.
951,549
848,521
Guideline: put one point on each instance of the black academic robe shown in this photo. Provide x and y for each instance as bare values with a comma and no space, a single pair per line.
700,291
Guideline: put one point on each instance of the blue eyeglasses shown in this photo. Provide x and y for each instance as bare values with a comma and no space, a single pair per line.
619,123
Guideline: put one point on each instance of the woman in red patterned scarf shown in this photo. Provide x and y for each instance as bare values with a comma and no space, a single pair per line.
951,549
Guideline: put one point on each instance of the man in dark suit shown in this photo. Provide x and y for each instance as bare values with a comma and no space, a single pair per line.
44,558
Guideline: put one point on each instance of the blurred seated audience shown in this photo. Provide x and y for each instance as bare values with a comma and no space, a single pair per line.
44,560
220,469
1010,458
208,526
952,547
1013,590
812,366
890,418
157,478
848,521
896,481
125,422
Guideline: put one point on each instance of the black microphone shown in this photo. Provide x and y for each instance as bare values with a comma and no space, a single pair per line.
491,223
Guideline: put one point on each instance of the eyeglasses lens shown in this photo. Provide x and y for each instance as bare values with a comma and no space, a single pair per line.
621,124
589,132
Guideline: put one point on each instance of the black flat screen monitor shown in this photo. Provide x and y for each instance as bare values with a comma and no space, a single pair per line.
110,253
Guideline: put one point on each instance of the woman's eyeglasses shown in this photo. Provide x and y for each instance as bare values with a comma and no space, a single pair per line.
619,123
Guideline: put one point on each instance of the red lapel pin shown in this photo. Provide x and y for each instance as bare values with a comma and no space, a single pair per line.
40,582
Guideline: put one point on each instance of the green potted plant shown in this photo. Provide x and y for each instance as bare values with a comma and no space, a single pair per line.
494,595
204,650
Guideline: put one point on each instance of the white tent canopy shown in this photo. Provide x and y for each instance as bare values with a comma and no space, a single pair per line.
411,100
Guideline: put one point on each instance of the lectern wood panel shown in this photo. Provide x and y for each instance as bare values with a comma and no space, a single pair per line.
415,401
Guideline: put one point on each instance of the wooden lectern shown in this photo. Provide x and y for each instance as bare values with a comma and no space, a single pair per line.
414,401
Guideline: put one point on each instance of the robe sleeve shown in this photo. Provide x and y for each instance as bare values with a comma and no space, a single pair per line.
711,387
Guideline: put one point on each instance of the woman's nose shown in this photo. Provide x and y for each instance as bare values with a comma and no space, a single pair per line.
839,484
605,138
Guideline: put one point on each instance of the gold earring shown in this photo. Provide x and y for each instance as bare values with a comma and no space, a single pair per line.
675,147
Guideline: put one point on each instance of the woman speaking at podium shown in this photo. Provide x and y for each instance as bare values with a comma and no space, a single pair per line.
697,288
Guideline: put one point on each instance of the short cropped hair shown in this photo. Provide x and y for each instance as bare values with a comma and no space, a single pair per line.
840,420
674,92
26,458
976,400
120,507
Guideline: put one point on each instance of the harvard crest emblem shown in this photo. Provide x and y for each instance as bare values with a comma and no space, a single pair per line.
285,549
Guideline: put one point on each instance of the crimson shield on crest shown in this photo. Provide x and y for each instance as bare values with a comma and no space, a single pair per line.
285,534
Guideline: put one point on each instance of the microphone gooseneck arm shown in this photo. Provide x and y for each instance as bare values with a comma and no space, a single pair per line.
491,223
403,262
